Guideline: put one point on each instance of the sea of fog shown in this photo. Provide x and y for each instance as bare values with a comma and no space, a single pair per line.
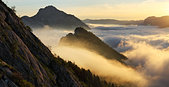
147,48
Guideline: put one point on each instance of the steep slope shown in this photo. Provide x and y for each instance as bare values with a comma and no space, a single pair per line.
54,18
26,62
161,22
23,51
83,38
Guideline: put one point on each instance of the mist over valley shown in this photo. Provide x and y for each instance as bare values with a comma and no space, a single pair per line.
144,46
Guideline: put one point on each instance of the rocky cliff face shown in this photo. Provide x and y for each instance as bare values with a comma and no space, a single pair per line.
22,50
54,18
161,22
83,38
26,62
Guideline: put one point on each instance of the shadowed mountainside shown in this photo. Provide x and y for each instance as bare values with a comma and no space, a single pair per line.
26,62
54,18
83,38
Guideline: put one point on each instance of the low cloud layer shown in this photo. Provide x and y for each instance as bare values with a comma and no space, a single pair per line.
146,47
152,61
112,71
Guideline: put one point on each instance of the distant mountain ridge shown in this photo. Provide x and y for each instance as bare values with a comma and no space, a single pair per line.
83,38
113,21
161,22
53,17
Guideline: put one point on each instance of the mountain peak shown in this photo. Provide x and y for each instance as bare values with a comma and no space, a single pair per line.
55,18
48,9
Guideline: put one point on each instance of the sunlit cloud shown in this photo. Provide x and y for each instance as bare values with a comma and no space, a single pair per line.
146,47
110,70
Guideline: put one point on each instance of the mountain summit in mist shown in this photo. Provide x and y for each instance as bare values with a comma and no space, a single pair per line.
53,17
84,39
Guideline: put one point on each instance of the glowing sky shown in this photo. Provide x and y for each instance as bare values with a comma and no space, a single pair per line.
95,9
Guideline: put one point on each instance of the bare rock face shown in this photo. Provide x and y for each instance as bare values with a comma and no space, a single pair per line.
83,38
54,18
13,48
26,62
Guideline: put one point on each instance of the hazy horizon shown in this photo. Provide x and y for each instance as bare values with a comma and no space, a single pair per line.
109,9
